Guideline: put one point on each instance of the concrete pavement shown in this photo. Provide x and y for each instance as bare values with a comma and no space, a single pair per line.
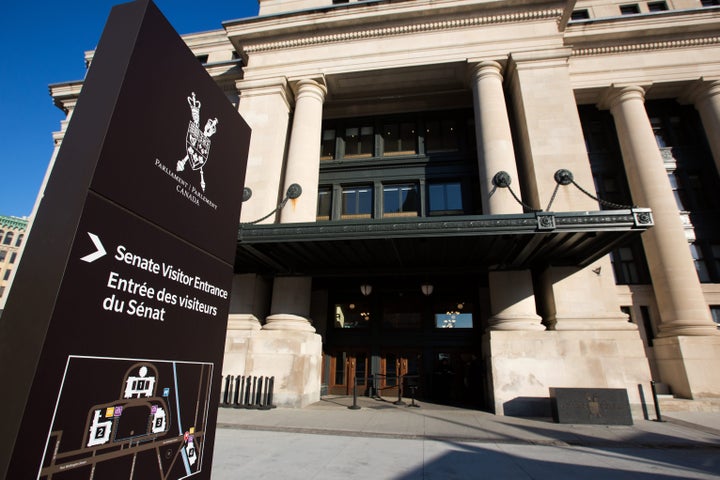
384,441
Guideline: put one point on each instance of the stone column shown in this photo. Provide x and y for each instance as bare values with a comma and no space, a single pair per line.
290,304
550,138
265,106
706,97
303,161
683,309
512,300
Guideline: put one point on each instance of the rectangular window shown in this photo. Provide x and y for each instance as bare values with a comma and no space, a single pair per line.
324,205
13,256
7,274
401,314
352,315
580,15
359,142
445,198
441,136
657,6
715,312
647,323
327,147
401,200
3,254
357,202
631,9
453,314
700,264
399,139
709,3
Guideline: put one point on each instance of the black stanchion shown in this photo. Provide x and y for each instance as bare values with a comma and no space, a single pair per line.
412,394
399,401
655,399
259,392
354,406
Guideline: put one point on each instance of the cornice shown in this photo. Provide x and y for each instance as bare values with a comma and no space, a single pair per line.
511,17
13,222
647,46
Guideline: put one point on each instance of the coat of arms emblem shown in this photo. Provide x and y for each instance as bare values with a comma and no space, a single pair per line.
197,142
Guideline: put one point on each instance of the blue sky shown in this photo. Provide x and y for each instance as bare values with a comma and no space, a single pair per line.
43,43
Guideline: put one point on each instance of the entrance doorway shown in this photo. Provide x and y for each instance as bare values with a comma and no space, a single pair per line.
345,367
404,341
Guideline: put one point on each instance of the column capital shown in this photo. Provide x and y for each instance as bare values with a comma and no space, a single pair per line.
700,90
616,94
264,86
484,68
314,86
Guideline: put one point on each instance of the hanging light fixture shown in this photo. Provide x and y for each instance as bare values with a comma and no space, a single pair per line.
427,289
366,289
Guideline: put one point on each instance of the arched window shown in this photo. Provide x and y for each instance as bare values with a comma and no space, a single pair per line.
19,239
8,238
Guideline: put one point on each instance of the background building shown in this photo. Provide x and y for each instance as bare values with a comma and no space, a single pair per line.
451,156
12,233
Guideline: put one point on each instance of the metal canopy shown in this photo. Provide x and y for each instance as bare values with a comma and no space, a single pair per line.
436,244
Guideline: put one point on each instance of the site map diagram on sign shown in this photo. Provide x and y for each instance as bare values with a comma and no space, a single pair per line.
114,417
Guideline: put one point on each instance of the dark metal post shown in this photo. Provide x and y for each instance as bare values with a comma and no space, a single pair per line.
270,392
259,392
247,391
354,406
399,401
655,399
227,395
239,389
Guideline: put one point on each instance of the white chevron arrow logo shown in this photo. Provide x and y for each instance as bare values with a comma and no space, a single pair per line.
100,249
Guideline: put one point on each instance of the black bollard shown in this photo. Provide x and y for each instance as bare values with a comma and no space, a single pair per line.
655,399
354,406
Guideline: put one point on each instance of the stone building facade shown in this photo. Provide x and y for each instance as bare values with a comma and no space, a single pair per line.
12,234
468,171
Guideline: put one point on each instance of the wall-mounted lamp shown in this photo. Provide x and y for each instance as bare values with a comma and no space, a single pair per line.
366,289
294,191
427,289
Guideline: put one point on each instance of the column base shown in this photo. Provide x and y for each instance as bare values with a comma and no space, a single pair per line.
293,358
287,321
688,364
243,321
523,366
516,322
602,322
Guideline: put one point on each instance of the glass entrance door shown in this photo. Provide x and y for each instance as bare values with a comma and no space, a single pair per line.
399,366
345,367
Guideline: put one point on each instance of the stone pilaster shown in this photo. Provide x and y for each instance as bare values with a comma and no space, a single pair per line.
550,138
705,95
512,300
303,162
264,104
683,309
